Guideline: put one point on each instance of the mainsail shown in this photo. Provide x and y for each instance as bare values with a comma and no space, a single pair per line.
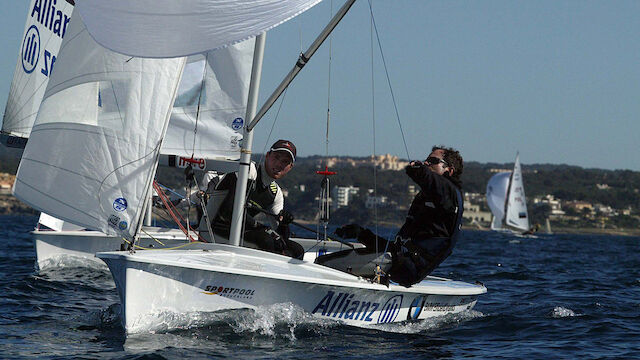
47,23
516,213
208,114
94,146
168,28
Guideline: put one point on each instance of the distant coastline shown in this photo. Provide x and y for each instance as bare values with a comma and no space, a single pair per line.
9,205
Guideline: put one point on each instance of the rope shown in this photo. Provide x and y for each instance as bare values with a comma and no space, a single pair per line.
171,212
164,248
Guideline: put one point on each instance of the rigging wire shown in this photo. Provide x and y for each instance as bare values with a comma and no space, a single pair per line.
373,126
202,88
325,187
384,62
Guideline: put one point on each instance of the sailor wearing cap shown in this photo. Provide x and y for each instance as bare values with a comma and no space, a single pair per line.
264,196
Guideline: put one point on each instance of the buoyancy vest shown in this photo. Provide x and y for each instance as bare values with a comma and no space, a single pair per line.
260,195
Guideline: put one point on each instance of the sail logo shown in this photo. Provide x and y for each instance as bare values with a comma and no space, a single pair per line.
52,18
113,221
122,225
183,162
31,49
237,123
120,204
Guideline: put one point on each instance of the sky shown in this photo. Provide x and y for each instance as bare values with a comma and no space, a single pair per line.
557,81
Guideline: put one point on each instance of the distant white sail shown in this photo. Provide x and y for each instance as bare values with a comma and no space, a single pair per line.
506,199
497,188
93,149
208,114
168,28
516,215
47,22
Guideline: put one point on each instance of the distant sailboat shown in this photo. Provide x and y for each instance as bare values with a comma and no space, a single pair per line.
506,199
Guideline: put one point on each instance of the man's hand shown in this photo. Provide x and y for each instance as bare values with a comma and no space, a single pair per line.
350,231
285,217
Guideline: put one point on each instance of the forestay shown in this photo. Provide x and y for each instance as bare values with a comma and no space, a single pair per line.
168,28
94,146
46,24
208,114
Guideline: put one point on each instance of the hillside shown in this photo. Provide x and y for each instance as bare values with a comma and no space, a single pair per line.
618,189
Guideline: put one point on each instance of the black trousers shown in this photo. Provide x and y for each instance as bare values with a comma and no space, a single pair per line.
269,240
410,264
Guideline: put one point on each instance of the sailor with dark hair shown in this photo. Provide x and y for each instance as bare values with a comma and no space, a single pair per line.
264,196
432,225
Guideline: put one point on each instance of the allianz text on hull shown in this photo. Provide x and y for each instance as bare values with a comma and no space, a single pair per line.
152,284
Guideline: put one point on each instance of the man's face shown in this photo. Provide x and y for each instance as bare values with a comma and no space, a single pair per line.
438,166
277,164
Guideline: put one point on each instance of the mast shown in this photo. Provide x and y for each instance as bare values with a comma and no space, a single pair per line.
245,151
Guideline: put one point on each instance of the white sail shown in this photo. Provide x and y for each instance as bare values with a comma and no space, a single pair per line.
208,114
168,28
497,188
47,22
93,148
516,214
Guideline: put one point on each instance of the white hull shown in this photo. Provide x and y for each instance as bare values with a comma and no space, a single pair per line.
54,247
154,284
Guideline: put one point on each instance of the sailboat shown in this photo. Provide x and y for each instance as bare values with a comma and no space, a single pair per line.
213,87
118,156
506,199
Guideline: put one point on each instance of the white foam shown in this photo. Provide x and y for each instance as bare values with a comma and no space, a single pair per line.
70,261
562,312
270,320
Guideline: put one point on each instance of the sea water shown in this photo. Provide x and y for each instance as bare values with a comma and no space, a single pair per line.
549,297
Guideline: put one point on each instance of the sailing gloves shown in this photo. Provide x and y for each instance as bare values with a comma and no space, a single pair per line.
350,231
285,217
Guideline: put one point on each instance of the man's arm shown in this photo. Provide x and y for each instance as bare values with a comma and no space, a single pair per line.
438,187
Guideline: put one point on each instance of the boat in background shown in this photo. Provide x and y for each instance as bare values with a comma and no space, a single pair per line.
506,199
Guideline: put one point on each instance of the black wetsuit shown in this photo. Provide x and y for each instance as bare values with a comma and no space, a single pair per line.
430,231
261,196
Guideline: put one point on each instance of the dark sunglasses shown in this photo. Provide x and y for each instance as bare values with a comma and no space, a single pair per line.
432,160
